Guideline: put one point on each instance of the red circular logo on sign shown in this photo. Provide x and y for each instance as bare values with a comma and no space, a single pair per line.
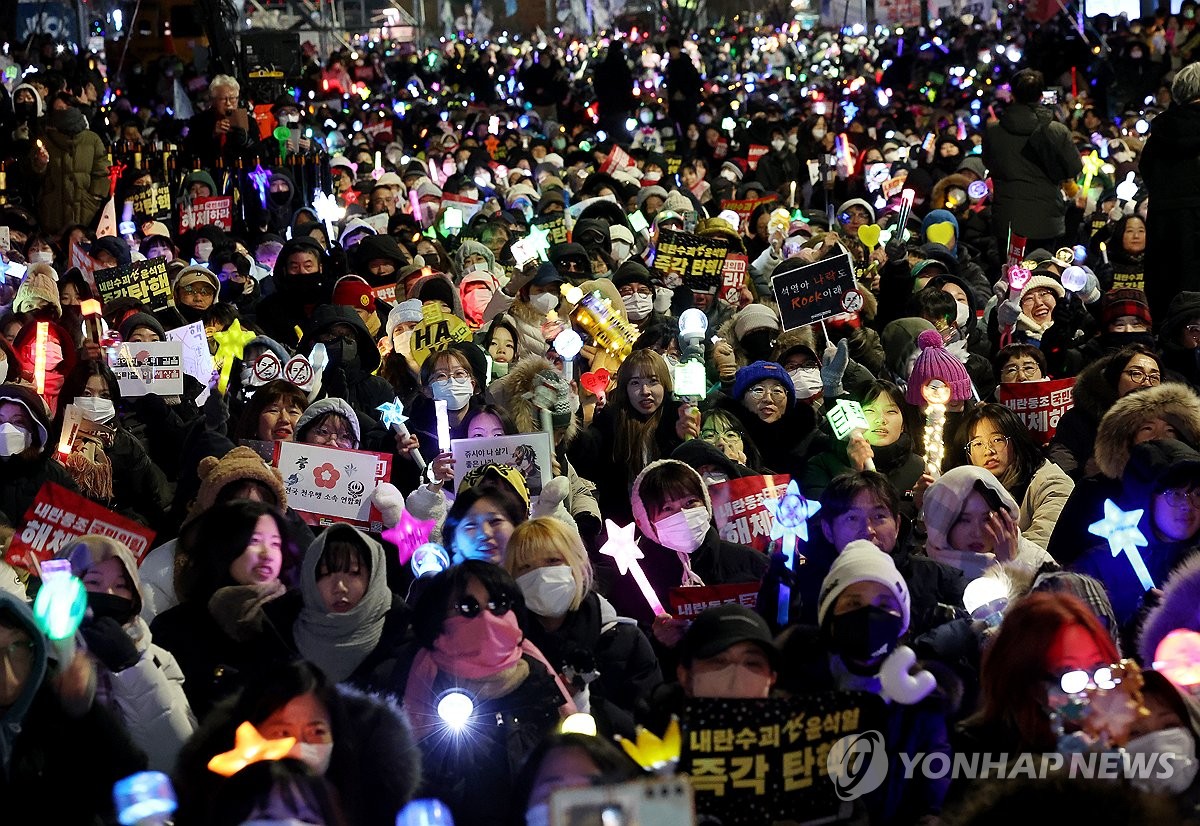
299,372
267,367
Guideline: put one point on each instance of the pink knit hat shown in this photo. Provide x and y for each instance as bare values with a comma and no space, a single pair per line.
936,362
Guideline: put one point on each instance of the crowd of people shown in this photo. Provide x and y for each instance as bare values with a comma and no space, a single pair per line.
487,237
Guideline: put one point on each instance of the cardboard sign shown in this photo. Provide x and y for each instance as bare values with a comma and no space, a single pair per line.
527,452
327,484
616,159
197,360
816,291
207,212
1016,248
698,260
733,276
555,227
86,266
1040,404
145,368
766,761
687,601
436,332
58,516
379,222
744,206
152,202
739,512
144,280
755,155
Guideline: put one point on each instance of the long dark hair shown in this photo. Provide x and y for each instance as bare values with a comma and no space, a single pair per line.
1027,456
445,587
76,382
911,417
210,543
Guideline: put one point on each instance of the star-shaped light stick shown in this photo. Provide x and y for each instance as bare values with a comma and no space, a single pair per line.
249,747
409,534
625,552
393,417
1121,530
231,344
538,239
1091,165
790,514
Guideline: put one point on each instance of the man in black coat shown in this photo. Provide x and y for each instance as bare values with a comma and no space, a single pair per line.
223,130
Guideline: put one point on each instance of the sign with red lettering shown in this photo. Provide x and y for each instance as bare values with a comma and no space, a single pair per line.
689,600
739,512
744,206
733,276
57,517
207,212
1040,404
815,291
755,154
327,484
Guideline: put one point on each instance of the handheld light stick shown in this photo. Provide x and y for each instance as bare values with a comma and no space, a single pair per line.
906,202
937,394
1091,165
847,419
429,558
579,723
144,799
408,535
443,425
393,417
1018,277
1074,278
259,176
985,599
427,812
282,134
622,547
455,708
414,201
231,344
568,344
1120,529
654,753
689,377
249,747
90,309
1178,658
789,524
1104,251
39,356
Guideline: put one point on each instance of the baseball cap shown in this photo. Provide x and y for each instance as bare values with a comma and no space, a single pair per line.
722,627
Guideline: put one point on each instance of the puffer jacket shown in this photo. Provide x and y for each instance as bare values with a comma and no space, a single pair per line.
75,183
1043,501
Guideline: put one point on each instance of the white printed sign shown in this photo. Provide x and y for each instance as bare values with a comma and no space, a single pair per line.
143,368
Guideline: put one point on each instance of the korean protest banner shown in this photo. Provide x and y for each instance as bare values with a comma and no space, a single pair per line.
529,453
744,206
555,227
733,276
145,368
58,516
207,212
152,202
816,291
1040,404
697,260
689,600
756,762
436,332
327,484
755,154
197,360
146,281
739,512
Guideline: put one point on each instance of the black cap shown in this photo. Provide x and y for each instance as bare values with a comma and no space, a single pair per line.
719,629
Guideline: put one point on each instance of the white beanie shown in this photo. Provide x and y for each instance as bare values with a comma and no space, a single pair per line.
755,317
409,310
862,561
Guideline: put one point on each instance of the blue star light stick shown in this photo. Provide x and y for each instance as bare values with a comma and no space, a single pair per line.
1121,530
393,417
790,514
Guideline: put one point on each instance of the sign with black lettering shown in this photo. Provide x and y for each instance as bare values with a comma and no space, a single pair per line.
816,291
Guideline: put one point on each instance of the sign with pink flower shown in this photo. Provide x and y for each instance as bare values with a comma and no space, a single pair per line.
327,484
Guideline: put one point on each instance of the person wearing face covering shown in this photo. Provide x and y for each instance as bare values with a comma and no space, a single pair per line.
73,168
353,358
137,681
779,166
24,445
298,285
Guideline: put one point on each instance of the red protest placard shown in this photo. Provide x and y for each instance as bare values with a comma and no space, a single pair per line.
733,275
204,212
744,206
739,512
689,600
1040,404
58,516
755,154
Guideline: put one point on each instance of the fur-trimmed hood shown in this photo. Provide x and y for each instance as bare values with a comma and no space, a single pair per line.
937,199
640,516
1178,608
1173,402
509,394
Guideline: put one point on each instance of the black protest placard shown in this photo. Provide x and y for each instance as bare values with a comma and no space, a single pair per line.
765,761
816,291
555,227
152,202
696,259
146,281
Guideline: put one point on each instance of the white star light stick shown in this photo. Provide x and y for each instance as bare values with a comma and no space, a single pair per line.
790,514
1121,530
393,417
625,552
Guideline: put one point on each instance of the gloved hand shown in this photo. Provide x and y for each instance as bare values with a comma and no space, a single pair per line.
110,644
896,249
1007,312
833,368
216,413
662,299
1091,291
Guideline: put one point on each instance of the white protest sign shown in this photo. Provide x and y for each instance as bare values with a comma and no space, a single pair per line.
154,367
529,453
327,484
197,360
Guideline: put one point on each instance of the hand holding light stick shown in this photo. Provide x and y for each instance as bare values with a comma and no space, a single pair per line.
39,356
393,417
1120,529
848,420
622,547
90,309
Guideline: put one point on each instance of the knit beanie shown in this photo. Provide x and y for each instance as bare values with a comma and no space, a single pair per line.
405,311
936,362
1043,282
40,284
755,317
135,320
746,377
858,202
678,202
239,464
1125,302
333,404
862,561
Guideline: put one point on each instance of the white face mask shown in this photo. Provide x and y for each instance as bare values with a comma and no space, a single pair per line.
538,815
807,382
652,176
1181,746
818,134
13,439
962,316
95,409
638,307
315,755
453,392
41,257
733,682
620,251
544,302
548,591
778,145
684,531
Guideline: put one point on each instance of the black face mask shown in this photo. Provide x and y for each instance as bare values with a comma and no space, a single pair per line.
342,352
863,634
25,111
1118,341
110,605
758,344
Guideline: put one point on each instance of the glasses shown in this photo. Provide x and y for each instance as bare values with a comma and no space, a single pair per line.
714,436
570,264
758,391
329,338
1139,376
995,444
1181,499
457,375
334,437
470,608
198,289
1192,330
1078,680
18,653
227,99
1040,295
1029,371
